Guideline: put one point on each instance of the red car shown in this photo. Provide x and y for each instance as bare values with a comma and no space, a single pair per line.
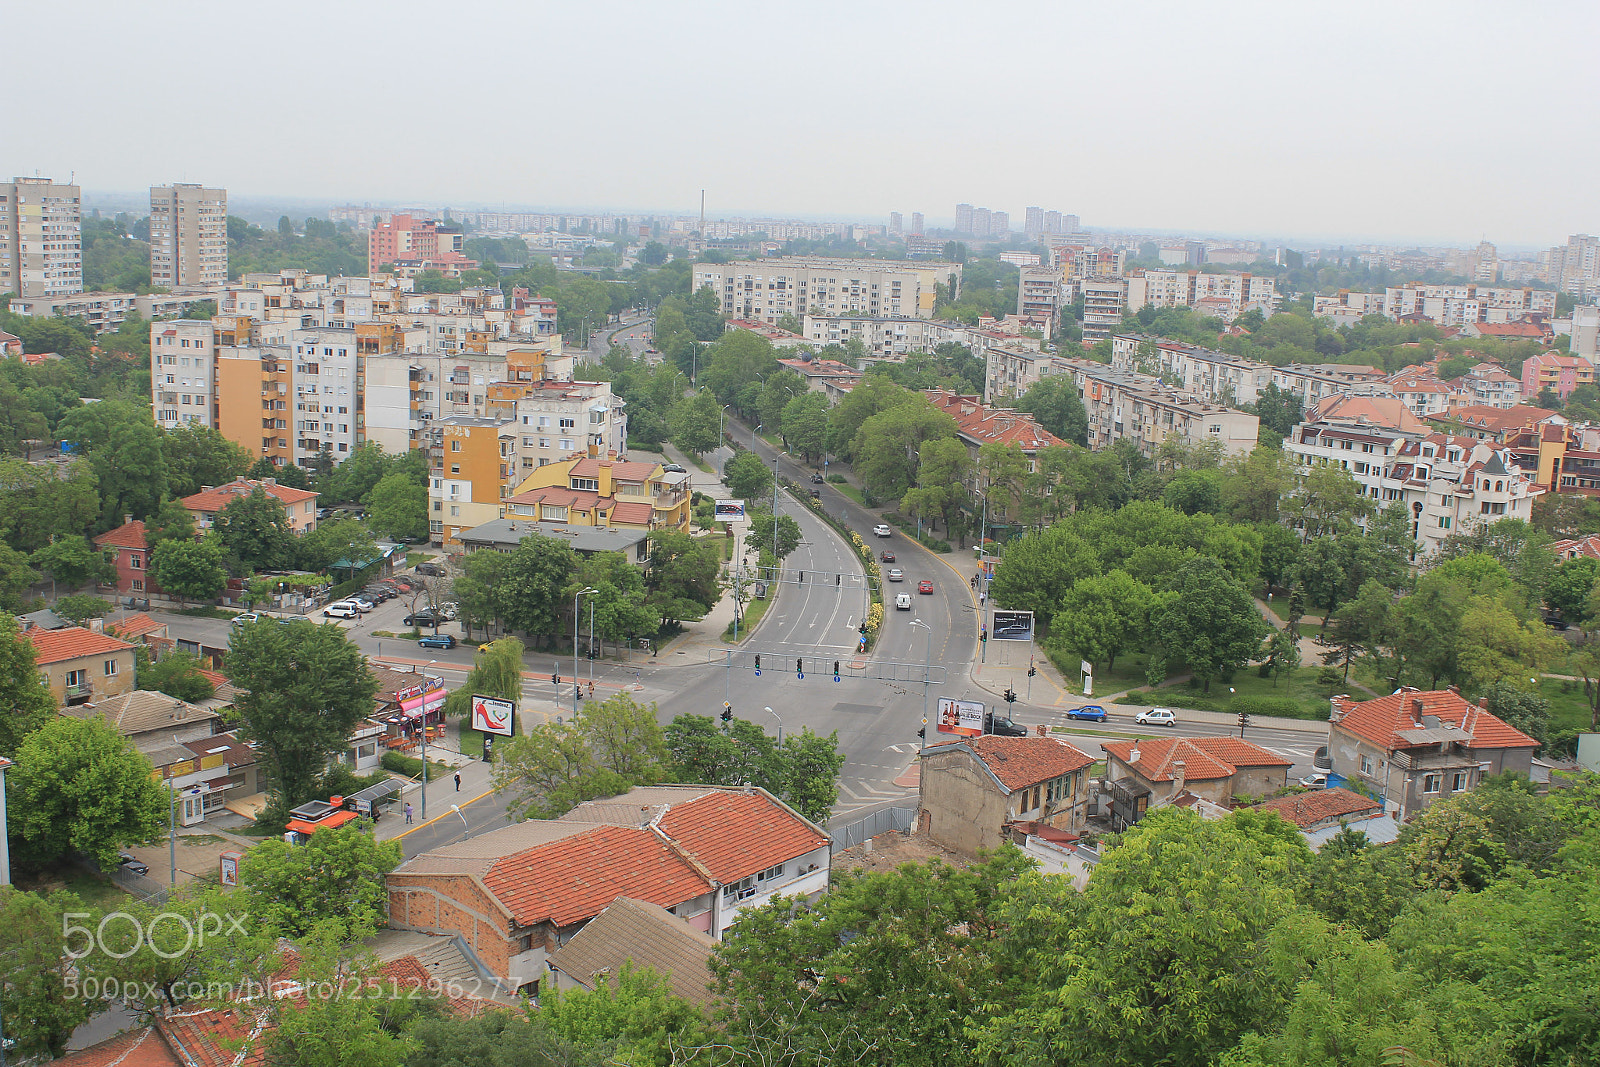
887,557
924,586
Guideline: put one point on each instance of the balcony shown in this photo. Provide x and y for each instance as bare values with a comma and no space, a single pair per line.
78,693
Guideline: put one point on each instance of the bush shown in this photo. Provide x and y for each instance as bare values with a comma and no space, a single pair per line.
1168,698
410,766
837,479
1281,707
1328,676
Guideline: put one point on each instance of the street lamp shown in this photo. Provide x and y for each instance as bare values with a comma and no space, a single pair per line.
720,416
580,593
754,434
425,667
774,714
927,670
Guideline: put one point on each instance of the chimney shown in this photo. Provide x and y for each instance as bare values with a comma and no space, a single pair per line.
97,626
1179,775
126,518
1416,709
1336,707
269,481
605,478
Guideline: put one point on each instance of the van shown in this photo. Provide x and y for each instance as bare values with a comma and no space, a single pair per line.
902,602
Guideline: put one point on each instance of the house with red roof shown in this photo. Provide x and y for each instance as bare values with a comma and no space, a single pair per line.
603,491
973,790
130,556
80,664
1413,748
1556,371
1321,813
1152,773
1493,424
299,505
10,345
517,894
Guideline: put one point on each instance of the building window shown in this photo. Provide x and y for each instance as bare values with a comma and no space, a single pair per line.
75,678
111,668
136,562
1366,765
455,446
770,873
1430,783
138,585
1458,781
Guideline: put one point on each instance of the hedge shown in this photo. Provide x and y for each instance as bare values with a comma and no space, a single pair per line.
1281,707
410,766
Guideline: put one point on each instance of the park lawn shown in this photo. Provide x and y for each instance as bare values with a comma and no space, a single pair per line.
1568,708
1301,686
851,491
1129,672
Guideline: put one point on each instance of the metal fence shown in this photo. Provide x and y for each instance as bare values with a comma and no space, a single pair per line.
142,886
881,821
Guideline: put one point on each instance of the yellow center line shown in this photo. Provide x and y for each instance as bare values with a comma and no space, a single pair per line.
446,815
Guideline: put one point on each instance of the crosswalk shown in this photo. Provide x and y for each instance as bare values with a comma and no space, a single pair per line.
859,796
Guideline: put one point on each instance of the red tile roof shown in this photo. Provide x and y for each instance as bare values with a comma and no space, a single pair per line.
570,880
1021,762
1508,329
218,497
128,535
218,1037
136,1048
74,642
1582,546
1380,720
985,424
622,471
1204,758
632,512
1305,810
734,835
1495,420
132,626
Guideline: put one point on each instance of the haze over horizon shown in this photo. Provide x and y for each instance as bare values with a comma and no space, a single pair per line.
1378,123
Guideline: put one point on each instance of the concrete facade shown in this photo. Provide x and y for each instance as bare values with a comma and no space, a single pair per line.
41,238
188,235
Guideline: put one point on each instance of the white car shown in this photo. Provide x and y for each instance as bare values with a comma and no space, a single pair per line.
360,603
1315,781
902,602
246,618
882,529
1156,717
341,610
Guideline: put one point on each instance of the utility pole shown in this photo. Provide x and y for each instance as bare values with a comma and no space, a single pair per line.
927,679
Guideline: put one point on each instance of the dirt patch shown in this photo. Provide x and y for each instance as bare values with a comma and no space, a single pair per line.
197,857
890,850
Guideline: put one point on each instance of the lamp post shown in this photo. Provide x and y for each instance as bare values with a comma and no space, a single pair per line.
927,671
754,434
774,714
721,415
580,593
591,645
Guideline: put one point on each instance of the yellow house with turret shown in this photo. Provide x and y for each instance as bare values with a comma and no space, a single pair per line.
596,491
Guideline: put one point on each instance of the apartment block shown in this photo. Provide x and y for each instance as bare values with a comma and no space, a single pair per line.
765,290
1457,305
41,238
1041,293
414,245
1088,261
1210,375
188,235
183,381
472,463
1225,296
603,490
1448,484
553,419
1106,300
107,311
1125,404
1573,267
1313,381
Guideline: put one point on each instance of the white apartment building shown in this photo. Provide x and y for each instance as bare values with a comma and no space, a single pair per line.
183,376
1011,370
188,235
1448,485
892,339
1348,308
1041,294
327,397
1573,267
553,419
1457,305
1227,296
1106,300
41,238
1124,404
107,311
1313,381
1424,394
765,290
1210,375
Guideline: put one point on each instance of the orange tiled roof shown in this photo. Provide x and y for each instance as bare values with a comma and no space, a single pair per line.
128,535
218,497
74,642
1495,419
1380,720
218,1037
136,1048
1508,329
632,512
570,880
133,626
1305,810
621,470
735,835
1203,758
1020,762
985,424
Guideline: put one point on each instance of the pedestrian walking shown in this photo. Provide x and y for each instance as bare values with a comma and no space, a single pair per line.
408,814
458,781
591,690
983,596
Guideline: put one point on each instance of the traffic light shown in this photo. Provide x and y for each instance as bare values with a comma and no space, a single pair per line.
983,634
922,731
799,667
863,626
836,670
802,578
555,678
727,711
837,579
1010,695
758,661
1032,671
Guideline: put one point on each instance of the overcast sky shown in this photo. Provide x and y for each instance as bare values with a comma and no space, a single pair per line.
1396,120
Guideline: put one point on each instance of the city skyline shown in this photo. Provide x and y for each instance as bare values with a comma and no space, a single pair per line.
1380,125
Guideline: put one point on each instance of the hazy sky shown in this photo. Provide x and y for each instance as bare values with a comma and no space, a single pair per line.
1398,120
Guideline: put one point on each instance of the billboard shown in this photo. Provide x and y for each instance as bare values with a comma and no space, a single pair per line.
491,715
730,510
964,717
1011,625
427,698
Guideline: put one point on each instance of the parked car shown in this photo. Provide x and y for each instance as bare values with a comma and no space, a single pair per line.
886,556
437,641
361,603
673,468
433,570
817,479
378,593
816,494
902,601
1315,781
128,862
245,618
341,611
1005,727
1156,717
1089,713
896,574
925,586
882,530
323,513
424,618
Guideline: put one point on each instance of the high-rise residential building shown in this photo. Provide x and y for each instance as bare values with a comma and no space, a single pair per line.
896,222
1041,223
963,218
413,245
1485,263
1033,221
916,222
999,223
183,375
1573,267
41,238
982,222
188,235
765,290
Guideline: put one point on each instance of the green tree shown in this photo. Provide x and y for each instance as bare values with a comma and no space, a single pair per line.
779,389
811,765
746,476
397,507
80,786
132,472
177,674
884,449
255,531
703,754
189,570
341,544
624,738
683,576
538,585
804,425
28,701
73,561
15,577
43,1002
306,687
694,424
1211,623
1102,617
1055,404
550,769
361,1027
80,607
196,455
1329,502
1569,591
1363,626
171,522
761,535
337,874
353,479
1279,410
483,589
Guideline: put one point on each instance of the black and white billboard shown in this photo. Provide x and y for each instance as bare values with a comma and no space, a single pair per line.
1011,625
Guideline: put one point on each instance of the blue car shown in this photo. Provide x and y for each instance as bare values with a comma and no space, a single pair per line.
437,641
1091,712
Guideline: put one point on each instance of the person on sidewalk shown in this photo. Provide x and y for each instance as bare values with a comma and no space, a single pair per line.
458,781
408,814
